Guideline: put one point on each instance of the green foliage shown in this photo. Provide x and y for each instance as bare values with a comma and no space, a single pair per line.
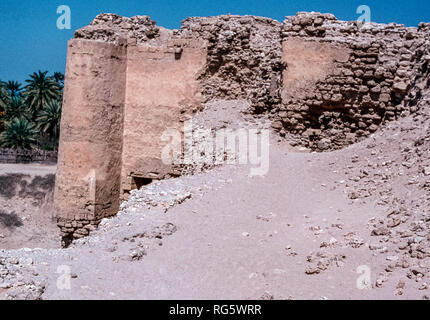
47,147
16,109
41,89
48,119
30,116
2,120
19,134
4,96
14,88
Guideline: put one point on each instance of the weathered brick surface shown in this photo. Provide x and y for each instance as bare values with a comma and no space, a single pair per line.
355,93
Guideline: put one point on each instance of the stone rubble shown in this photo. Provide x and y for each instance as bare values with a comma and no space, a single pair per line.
374,85
115,28
361,93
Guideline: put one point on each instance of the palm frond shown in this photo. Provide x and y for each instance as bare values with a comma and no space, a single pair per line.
19,134
48,120
13,87
17,108
40,90
4,95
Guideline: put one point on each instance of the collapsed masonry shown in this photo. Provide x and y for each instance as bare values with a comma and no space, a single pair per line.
324,83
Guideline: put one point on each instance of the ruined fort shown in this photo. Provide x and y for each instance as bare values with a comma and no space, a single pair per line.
323,83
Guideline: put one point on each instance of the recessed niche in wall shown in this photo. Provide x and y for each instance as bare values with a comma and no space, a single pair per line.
139,182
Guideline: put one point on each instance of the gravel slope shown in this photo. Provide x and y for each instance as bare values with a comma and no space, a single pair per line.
300,232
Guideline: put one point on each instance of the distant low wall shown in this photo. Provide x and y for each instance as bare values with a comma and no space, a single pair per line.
27,156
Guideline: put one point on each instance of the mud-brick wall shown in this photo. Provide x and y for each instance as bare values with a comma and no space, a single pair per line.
27,156
417,97
244,58
342,79
89,162
162,92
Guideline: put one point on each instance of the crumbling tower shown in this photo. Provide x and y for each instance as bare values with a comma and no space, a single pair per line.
121,93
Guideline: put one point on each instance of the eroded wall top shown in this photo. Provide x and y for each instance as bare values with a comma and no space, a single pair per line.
111,28
326,83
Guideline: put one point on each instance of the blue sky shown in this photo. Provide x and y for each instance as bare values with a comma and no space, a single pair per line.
30,40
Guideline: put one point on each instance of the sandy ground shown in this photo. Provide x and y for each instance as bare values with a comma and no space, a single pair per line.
313,228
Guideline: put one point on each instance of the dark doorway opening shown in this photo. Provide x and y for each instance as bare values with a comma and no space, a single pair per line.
139,182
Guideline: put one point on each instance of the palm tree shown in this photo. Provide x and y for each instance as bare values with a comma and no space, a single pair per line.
16,108
59,78
2,121
48,119
4,95
40,90
19,134
14,88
